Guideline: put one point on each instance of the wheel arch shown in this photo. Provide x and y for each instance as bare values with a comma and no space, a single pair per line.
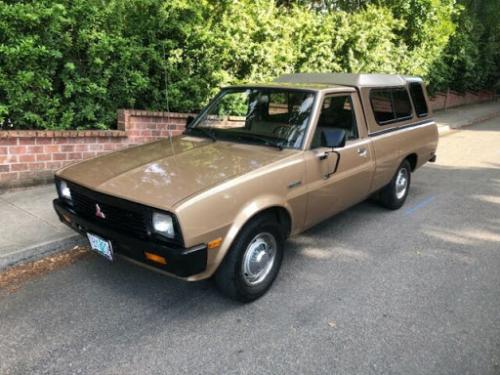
412,159
263,206
280,213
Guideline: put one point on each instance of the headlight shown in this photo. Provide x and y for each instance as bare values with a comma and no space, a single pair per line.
163,224
64,190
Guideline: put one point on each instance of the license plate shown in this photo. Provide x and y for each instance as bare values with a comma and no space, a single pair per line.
100,246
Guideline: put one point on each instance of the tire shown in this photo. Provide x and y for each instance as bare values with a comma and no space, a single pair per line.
237,277
393,195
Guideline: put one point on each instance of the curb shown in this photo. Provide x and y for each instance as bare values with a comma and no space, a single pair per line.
444,129
40,251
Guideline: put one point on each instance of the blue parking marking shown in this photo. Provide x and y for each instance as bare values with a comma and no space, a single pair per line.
424,203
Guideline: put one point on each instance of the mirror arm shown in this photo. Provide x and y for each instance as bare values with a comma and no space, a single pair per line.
336,164
338,161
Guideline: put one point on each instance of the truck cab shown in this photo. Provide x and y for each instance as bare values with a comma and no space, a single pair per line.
386,118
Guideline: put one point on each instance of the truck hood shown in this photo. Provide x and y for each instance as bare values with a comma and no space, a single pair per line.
162,173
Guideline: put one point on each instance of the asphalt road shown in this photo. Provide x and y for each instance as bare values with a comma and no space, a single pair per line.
415,291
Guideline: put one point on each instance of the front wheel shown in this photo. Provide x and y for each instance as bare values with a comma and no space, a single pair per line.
394,194
253,261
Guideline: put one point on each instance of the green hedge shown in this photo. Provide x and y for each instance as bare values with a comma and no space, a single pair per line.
70,64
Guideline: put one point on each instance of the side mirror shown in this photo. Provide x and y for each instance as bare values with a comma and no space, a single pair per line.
333,138
189,120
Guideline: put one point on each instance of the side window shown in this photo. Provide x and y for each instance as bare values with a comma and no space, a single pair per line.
336,112
418,98
382,105
390,105
402,105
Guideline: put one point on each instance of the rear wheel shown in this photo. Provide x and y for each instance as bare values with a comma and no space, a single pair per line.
253,261
394,194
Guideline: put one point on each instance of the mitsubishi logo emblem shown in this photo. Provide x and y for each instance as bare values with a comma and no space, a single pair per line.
98,212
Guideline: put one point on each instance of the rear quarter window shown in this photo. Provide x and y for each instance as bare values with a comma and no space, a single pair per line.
418,98
390,105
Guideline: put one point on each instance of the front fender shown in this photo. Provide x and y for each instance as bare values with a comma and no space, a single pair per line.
247,212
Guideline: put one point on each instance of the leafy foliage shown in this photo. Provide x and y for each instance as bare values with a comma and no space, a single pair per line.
471,59
70,64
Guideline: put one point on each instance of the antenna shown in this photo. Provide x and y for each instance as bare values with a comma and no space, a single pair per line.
165,73
169,120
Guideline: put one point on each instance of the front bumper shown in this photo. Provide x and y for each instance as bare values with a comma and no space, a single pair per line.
181,262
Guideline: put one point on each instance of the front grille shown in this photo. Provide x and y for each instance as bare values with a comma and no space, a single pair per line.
133,222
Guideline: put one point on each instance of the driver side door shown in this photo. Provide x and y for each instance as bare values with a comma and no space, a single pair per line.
340,179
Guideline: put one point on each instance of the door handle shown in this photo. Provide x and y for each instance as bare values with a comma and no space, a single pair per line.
323,155
363,152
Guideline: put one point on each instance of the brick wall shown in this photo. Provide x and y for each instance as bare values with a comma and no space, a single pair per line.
29,157
450,99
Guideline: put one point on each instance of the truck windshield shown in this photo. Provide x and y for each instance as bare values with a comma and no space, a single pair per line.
267,116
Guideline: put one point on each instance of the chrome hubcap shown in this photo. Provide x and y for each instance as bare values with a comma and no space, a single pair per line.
259,258
401,183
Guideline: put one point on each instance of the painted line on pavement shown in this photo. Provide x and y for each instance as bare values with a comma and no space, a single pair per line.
422,204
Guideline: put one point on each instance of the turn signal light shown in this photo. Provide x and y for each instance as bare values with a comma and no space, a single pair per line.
155,258
214,243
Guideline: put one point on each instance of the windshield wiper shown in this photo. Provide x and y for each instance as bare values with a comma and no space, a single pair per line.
265,141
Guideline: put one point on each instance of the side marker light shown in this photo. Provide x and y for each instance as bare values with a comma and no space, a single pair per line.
155,258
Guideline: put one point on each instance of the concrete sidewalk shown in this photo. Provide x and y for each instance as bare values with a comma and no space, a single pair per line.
30,229
455,118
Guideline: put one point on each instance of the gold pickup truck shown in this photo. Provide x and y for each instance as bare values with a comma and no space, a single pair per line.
259,164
